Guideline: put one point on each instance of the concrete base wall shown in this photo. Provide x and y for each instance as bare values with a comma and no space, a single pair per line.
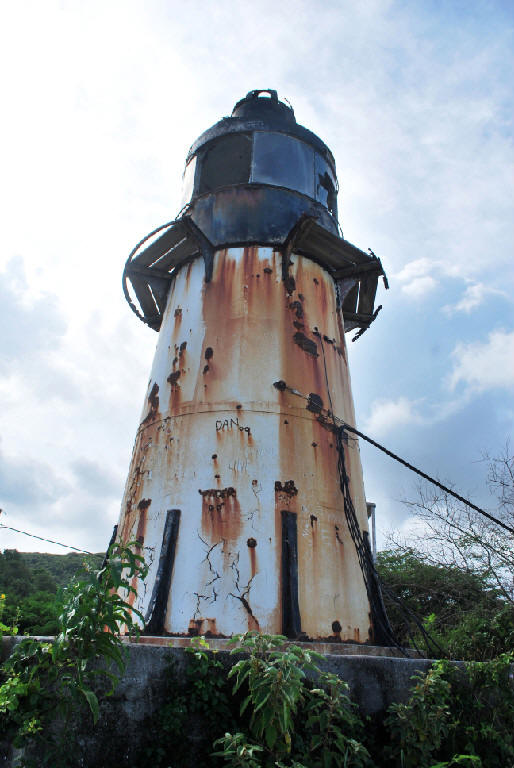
375,682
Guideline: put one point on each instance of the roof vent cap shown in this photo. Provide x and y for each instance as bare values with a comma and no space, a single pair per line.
262,104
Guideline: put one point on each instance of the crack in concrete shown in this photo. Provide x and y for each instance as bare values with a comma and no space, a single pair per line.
243,595
212,569
198,599
243,599
235,569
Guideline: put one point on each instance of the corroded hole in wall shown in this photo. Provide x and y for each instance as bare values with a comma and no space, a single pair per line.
308,345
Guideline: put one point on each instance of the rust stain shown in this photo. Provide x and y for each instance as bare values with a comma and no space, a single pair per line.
218,493
341,350
253,561
146,439
296,308
175,397
253,624
188,273
173,378
326,423
336,629
125,528
288,488
203,626
221,514
314,558
153,401
211,628
140,540
195,627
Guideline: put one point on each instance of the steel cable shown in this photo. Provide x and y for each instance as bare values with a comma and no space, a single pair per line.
341,423
41,538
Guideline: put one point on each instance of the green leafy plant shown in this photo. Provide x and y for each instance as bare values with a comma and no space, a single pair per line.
11,629
286,720
274,679
482,721
468,761
198,706
418,727
206,682
333,726
46,683
459,715
237,752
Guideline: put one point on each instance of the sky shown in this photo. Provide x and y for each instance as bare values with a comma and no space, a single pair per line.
101,101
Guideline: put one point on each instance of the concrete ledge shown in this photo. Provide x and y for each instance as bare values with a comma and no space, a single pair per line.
375,683
326,648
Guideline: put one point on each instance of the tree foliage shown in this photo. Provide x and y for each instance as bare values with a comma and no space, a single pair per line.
31,581
455,568
461,610
43,684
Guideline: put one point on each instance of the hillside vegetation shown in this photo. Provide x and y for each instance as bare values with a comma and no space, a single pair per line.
31,581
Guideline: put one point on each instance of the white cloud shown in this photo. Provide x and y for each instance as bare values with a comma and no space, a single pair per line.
390,414
419,286
473,297
415,269
416,277
485,365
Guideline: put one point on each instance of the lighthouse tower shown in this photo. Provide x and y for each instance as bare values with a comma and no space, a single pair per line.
234,491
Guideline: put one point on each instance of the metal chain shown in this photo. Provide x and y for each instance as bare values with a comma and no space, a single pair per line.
372,581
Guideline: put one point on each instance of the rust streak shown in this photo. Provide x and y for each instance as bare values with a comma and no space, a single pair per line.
221,514
153,401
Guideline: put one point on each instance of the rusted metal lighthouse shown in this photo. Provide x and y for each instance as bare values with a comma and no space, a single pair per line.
234,490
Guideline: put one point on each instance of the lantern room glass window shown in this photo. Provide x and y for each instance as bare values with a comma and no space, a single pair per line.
226,162
326,184
283,161
261,157
188,182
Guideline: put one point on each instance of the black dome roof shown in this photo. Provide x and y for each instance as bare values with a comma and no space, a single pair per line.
257,112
